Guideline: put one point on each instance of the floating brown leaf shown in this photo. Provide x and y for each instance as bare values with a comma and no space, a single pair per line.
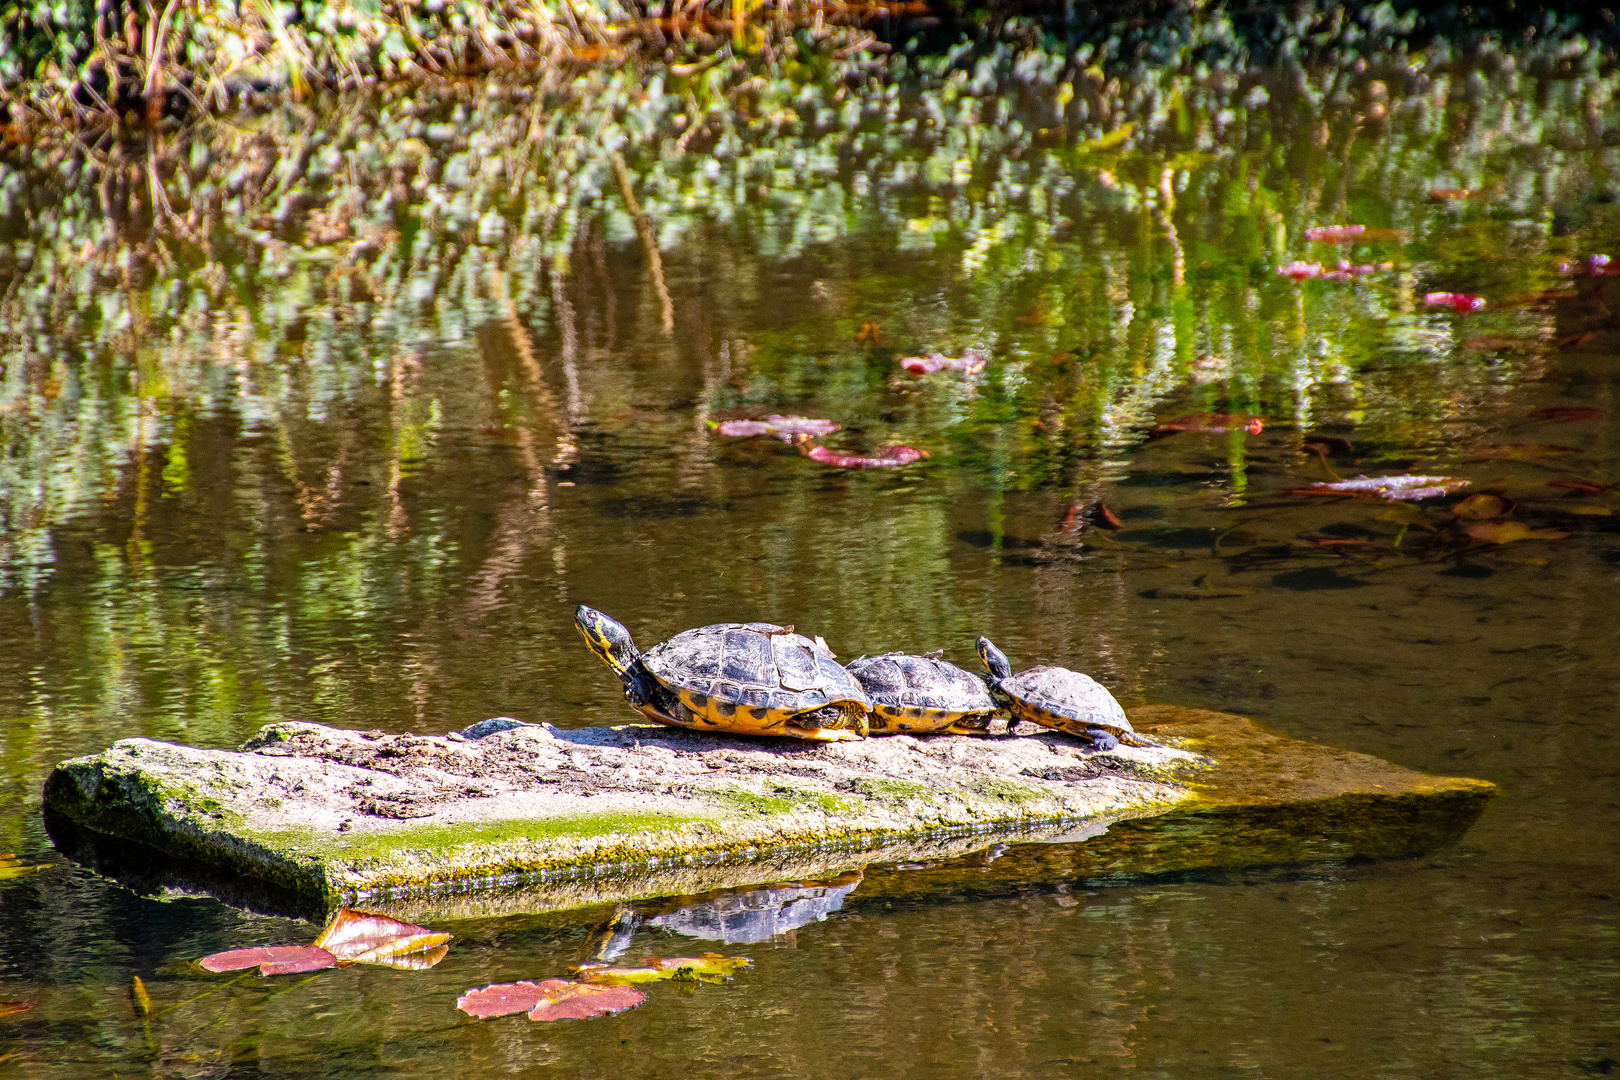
1506,532
1520,451
271,959
1568,414
364,937
1586,487
12,1008
1483,507
710,967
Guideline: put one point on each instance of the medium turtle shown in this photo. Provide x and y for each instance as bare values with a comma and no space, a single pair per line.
922,695
743,678
1058,698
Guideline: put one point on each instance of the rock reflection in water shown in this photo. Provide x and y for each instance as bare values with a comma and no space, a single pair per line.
751,915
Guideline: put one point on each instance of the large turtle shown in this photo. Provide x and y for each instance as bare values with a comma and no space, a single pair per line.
1058,698
743,678
922,695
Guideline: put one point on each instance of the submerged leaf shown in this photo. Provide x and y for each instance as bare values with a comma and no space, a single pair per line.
364,937
1568,414
893,455
1213,422
1585,487
1399,486
710,967
1520,451
1483,507
563,1000
11,867
1506,532
271,959
12,1008
138,994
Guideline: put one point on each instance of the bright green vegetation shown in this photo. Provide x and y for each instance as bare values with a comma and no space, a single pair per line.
897,790
433,842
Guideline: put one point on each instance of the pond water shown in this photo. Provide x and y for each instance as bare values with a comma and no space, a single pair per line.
337,414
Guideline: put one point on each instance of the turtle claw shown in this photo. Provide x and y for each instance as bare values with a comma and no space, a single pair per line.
1102,739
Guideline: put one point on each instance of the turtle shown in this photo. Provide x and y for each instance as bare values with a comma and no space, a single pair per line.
922,695
1058,698
751,678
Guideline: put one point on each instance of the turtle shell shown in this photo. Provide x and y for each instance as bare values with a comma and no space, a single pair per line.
760,679
922,694
1056,697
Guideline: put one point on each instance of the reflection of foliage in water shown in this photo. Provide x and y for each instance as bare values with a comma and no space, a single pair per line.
375,295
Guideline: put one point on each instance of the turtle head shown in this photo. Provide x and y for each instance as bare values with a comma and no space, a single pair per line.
994,660
608,639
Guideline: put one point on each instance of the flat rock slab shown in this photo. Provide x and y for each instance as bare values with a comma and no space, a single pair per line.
538,817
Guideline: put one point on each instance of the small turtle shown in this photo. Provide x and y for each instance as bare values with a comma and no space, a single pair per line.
1058,698
743,678
922,695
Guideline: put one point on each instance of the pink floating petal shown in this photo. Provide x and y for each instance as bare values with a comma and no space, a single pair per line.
271,959
1456,301
894,455
1299,271
1335,234
971,363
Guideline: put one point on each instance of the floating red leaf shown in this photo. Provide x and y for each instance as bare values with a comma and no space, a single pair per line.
1455,301
1300,271
271,959
1400,486
1212,422
501,999
1520,451
563,1000
1568,414
893,455
1585,487
365,937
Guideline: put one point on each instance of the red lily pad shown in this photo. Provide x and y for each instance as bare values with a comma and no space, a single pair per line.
1585,487
1399,486
271,959
364,937
1212,422
1568,414
1456,301
1506,532
893,455
1521,451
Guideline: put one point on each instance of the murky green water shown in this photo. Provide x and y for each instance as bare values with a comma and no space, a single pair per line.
346,440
